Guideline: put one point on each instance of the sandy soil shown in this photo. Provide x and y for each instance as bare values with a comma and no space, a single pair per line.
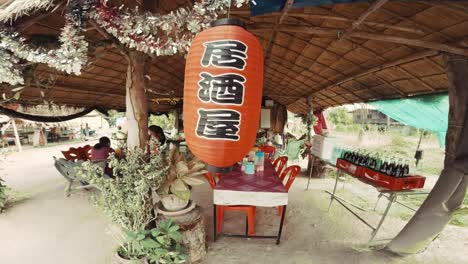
48,228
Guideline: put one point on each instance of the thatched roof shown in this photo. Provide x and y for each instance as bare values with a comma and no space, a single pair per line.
339,54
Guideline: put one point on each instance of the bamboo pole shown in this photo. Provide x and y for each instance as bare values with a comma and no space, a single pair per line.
447,195
17,139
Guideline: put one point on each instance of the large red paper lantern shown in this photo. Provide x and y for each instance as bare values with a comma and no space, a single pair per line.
223,93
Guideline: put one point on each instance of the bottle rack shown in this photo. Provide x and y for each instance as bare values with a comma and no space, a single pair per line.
379,179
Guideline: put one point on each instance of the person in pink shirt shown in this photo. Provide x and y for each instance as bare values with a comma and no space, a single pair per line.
101,150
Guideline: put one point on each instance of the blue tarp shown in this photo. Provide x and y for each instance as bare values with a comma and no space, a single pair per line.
428,112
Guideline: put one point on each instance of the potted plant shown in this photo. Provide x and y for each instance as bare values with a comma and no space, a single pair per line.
175,190
128,199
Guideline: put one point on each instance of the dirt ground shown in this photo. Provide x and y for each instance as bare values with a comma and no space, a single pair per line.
48,228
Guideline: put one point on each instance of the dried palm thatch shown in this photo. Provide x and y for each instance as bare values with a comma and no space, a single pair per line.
338,54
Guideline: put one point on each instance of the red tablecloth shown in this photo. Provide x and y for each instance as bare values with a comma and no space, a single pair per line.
260,189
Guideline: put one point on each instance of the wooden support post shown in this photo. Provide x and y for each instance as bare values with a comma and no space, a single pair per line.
17,139
447,195
136,99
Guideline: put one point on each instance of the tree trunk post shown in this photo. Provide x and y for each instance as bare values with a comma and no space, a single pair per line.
136,100
447,195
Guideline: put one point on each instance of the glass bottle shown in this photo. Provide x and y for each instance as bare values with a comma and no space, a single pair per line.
406,168
391,168
383,168
399,169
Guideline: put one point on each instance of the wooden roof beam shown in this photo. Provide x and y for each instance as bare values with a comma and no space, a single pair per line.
30,22
279,20
336,18
101,31
372,9
367,23
448,6
334,33
285,10
425,84
412,42
435,64
414,23
403,60
79,90
396,89
352,93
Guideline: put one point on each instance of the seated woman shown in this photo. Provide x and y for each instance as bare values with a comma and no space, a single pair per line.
101,151
156,133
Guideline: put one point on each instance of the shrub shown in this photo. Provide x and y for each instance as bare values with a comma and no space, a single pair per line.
3,195
127,200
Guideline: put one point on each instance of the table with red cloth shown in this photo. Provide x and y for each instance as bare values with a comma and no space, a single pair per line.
263,189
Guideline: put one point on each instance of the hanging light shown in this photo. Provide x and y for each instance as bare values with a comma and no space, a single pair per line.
223,93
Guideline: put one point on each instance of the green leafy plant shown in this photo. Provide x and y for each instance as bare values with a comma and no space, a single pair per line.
158,245
181,175
128,199
3,195
4,190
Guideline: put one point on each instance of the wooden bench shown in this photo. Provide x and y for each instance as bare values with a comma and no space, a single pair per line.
73,158
67,169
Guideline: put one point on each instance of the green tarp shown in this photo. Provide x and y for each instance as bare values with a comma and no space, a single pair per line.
428,112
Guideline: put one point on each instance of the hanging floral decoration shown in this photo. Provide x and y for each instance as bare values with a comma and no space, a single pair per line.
153,34
156,34
9,72
70,57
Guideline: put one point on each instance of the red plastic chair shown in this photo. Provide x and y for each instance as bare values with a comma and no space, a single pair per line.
279,164
209,176
80,153
269,150
293,171
251,211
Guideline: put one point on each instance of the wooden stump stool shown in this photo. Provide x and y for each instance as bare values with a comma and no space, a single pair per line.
192,227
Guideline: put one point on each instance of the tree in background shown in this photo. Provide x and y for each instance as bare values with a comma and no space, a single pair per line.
340,116
113,116
166,122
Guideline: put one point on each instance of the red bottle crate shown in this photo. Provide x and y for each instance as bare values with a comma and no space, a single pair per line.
392,183
348,167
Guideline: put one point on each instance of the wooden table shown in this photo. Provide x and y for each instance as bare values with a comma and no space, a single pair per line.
263,189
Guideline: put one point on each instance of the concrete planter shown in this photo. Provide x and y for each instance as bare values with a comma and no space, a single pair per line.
173,203
119,260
